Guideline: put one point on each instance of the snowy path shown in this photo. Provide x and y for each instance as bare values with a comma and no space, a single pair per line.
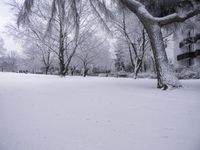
40,112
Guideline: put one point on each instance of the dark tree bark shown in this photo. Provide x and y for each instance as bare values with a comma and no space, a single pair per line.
165,73
47,69
61,50
85,72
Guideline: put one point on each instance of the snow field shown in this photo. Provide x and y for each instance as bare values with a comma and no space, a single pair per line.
39,112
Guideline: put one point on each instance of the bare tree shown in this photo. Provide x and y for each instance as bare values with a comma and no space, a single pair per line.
153,25
59,38
134,36
10,62
38,49
89,49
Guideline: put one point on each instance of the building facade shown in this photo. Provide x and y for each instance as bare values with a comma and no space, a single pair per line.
187,45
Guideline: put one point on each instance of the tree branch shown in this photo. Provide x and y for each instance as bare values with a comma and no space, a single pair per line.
138,8
178,18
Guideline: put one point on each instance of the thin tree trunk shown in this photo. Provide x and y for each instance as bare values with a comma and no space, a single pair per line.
85,69
72,70
85,72
137,68
47,69
61,53
131,57
62,67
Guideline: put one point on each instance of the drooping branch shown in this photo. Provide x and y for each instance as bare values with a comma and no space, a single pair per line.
98,14
23,15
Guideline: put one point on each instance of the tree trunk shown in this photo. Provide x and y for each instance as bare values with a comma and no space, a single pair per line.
165,73
62,67
85,72
72,70
47,69
61,59
137,68
61,51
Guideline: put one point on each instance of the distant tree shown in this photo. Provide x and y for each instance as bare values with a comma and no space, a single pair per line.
134,37
89,50
119,60
33,58
2,49
9,62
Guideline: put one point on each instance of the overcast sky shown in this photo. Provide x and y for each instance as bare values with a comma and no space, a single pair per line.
7,16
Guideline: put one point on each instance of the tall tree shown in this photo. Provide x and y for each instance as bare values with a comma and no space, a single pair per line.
153,25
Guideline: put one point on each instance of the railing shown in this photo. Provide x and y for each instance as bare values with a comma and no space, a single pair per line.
189,55
189,41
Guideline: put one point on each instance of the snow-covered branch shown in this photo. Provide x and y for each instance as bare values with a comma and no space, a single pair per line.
138,8
177,17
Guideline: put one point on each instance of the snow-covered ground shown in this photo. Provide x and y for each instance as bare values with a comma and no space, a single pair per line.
39,112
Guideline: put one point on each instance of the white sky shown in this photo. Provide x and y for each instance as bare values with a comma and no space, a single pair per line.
7,16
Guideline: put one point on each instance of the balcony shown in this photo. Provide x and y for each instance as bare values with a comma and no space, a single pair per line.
189,55
189,41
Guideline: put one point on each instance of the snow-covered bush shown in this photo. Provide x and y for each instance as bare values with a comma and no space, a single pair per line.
188,72
122,74
103,75
148,75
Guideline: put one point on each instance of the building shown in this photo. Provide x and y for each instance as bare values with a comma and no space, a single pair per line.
187,45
